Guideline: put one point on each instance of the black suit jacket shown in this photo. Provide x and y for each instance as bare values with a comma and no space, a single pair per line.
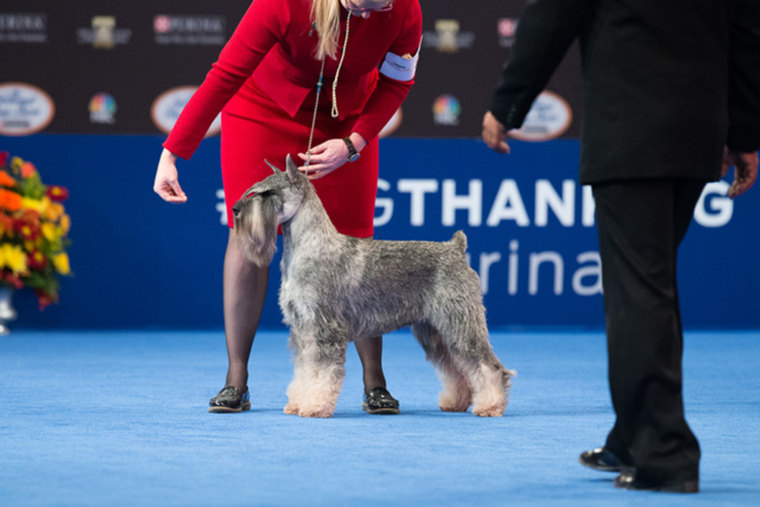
666,83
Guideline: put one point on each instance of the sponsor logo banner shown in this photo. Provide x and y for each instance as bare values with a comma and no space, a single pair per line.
24,109
102,109
448,37
168,106
189,30
27,28
103,34
549,117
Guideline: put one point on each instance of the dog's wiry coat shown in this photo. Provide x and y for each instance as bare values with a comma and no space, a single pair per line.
336,288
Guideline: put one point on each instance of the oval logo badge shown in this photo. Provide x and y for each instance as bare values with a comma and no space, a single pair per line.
167,107
24,109
549,117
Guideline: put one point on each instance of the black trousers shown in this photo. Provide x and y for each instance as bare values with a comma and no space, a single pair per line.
641,224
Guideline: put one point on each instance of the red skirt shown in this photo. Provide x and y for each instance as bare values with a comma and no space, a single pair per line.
255,128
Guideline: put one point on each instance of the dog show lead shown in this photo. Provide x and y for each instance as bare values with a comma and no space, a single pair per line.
264,83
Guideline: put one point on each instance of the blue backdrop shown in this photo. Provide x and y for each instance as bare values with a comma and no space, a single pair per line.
141,263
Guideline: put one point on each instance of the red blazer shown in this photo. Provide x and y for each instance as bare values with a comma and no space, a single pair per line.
274,46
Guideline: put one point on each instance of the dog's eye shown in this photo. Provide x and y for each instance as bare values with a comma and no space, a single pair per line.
253,193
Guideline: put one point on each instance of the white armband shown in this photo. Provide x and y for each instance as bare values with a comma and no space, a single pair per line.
400,68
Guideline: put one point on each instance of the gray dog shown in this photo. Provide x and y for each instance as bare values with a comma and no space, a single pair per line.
336,287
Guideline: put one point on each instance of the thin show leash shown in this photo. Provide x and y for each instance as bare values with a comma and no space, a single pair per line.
334,111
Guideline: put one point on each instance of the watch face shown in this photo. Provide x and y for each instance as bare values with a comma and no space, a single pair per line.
352,157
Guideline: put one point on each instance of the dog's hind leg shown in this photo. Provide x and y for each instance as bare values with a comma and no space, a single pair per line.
456,395
323,372
466,341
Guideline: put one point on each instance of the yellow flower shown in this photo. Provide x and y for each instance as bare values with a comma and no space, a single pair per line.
49,231
13,258
65,224
61,263
16,163
35,204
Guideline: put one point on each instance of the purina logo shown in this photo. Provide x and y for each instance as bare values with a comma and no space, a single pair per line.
446,111
189,30
104,34
448,38
549,117
24,109
102,108
168,106
25,28
507,28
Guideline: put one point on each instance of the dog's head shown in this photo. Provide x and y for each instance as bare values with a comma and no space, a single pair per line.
265,206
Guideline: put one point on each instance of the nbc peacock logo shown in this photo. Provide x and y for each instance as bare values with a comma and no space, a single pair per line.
446,110
102,108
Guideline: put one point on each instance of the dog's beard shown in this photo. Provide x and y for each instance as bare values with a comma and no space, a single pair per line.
256,230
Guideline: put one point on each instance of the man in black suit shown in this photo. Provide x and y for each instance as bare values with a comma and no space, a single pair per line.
672,100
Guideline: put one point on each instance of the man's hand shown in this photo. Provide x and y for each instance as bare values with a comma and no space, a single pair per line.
494,134
745,170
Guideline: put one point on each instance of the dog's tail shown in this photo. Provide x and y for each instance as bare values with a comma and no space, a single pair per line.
460,241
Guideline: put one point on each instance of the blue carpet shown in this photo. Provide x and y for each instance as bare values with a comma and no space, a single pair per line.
119,418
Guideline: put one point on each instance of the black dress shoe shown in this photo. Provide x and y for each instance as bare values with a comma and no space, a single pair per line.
628,480
601,459
379,401
230,399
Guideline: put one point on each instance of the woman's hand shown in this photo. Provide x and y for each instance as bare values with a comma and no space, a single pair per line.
166,184
330,155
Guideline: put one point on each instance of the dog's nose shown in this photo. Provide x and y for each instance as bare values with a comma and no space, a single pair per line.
235,210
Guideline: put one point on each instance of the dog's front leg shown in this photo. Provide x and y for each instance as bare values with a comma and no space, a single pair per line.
323,368
297,385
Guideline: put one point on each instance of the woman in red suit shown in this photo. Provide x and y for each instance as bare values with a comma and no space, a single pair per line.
265,84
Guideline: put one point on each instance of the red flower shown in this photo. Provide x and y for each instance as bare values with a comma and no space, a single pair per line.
3,158
57,193
44,298
36,261
28,226
8,277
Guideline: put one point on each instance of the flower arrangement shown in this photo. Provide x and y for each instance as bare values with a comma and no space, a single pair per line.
33,230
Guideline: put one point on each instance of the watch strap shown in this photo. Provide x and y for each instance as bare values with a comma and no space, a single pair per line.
352,153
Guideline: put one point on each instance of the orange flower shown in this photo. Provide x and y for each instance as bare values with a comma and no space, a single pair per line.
10,200
6,180
28,170
53,211
6,224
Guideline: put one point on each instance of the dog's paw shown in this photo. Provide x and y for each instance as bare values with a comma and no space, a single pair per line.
490,411
451,402
316,412
291,409
453,408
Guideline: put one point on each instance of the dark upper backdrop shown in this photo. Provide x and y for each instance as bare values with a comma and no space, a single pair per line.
87,88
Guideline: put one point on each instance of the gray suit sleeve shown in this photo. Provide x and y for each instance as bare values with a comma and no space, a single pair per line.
744,77
545,32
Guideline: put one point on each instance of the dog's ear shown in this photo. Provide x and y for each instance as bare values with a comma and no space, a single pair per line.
291,168
276,170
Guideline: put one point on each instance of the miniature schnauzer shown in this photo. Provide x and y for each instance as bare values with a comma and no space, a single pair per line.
336,287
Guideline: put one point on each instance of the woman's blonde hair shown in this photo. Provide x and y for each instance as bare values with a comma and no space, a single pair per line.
325,15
